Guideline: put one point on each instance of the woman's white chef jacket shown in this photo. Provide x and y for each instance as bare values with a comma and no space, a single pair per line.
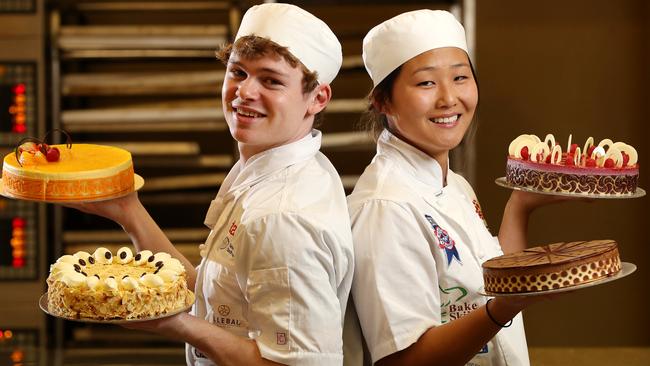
278,263
419,247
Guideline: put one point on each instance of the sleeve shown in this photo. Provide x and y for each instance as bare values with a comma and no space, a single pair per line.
395,287
291,290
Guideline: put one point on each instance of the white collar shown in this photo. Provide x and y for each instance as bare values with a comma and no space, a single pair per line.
261,165
421,166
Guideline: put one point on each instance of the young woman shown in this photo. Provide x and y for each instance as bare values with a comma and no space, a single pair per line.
418,231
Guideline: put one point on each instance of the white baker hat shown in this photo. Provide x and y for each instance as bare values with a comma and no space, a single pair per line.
307,37
399,39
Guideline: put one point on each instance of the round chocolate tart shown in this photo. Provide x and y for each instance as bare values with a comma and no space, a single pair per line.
551,267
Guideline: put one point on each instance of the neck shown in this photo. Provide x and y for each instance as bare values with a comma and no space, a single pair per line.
443,161
247,151
441,157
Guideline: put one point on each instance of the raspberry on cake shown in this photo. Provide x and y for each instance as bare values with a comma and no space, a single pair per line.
551,267
101,286
79,172
609,168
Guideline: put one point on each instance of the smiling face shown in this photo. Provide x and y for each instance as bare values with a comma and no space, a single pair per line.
433,101
264,104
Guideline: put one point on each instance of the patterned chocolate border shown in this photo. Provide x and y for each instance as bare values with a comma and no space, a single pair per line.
577,275
570,183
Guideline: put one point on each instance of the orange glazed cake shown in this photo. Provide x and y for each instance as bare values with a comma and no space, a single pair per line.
552,266
101,286
76,172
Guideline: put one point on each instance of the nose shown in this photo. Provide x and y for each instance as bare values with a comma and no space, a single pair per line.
446,97
247,89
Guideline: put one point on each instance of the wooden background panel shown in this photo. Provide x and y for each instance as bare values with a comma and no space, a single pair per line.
576,67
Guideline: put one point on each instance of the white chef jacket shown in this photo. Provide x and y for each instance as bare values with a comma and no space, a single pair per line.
278,263
419,247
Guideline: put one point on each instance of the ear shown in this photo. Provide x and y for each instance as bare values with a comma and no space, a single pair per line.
382,107
319,99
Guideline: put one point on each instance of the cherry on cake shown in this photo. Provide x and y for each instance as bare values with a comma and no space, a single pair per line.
103,286
551,267
79,172
608,168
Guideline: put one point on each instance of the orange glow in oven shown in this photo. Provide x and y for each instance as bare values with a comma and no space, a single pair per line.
18,109
19,89
18,242
17,355
6,334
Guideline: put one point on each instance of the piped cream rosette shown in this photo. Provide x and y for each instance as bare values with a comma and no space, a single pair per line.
103,286
531,147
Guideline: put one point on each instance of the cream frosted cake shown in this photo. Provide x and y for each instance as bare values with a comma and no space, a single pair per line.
608,168
68,172
101,286
550,267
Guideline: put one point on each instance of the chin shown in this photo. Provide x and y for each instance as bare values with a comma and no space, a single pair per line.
242,136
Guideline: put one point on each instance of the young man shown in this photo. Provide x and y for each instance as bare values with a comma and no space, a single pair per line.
277,267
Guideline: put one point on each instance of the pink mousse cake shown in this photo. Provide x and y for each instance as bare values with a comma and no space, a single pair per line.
609,168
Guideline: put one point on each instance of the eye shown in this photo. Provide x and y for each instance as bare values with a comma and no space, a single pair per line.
461,78
426,83
272,82
237,73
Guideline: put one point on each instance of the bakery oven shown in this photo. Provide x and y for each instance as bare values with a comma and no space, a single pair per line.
23,247
20,347
19,249
140,75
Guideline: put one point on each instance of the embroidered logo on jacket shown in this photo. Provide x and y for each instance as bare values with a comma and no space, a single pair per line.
227,246
445,242
223,320
233,229
479,211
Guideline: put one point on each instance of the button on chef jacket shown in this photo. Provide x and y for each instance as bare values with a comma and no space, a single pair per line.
278,263
419,247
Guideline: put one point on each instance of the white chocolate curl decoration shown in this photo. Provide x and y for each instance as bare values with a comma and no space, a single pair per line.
556,155
539,152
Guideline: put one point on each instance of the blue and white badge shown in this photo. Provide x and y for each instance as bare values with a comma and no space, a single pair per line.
445,242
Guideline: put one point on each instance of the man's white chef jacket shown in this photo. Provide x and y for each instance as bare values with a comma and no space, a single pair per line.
419,247
278,263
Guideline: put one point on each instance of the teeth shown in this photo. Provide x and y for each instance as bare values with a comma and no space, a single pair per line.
451,119
248,114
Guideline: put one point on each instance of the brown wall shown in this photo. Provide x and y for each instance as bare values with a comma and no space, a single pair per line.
577,67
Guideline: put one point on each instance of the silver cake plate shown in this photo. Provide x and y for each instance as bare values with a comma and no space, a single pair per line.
42,303
640,192
138,183
626,270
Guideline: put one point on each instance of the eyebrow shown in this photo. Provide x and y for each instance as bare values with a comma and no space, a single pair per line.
264,69
429,68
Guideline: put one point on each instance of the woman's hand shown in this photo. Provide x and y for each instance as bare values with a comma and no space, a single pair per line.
514,224
506,307
528,201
